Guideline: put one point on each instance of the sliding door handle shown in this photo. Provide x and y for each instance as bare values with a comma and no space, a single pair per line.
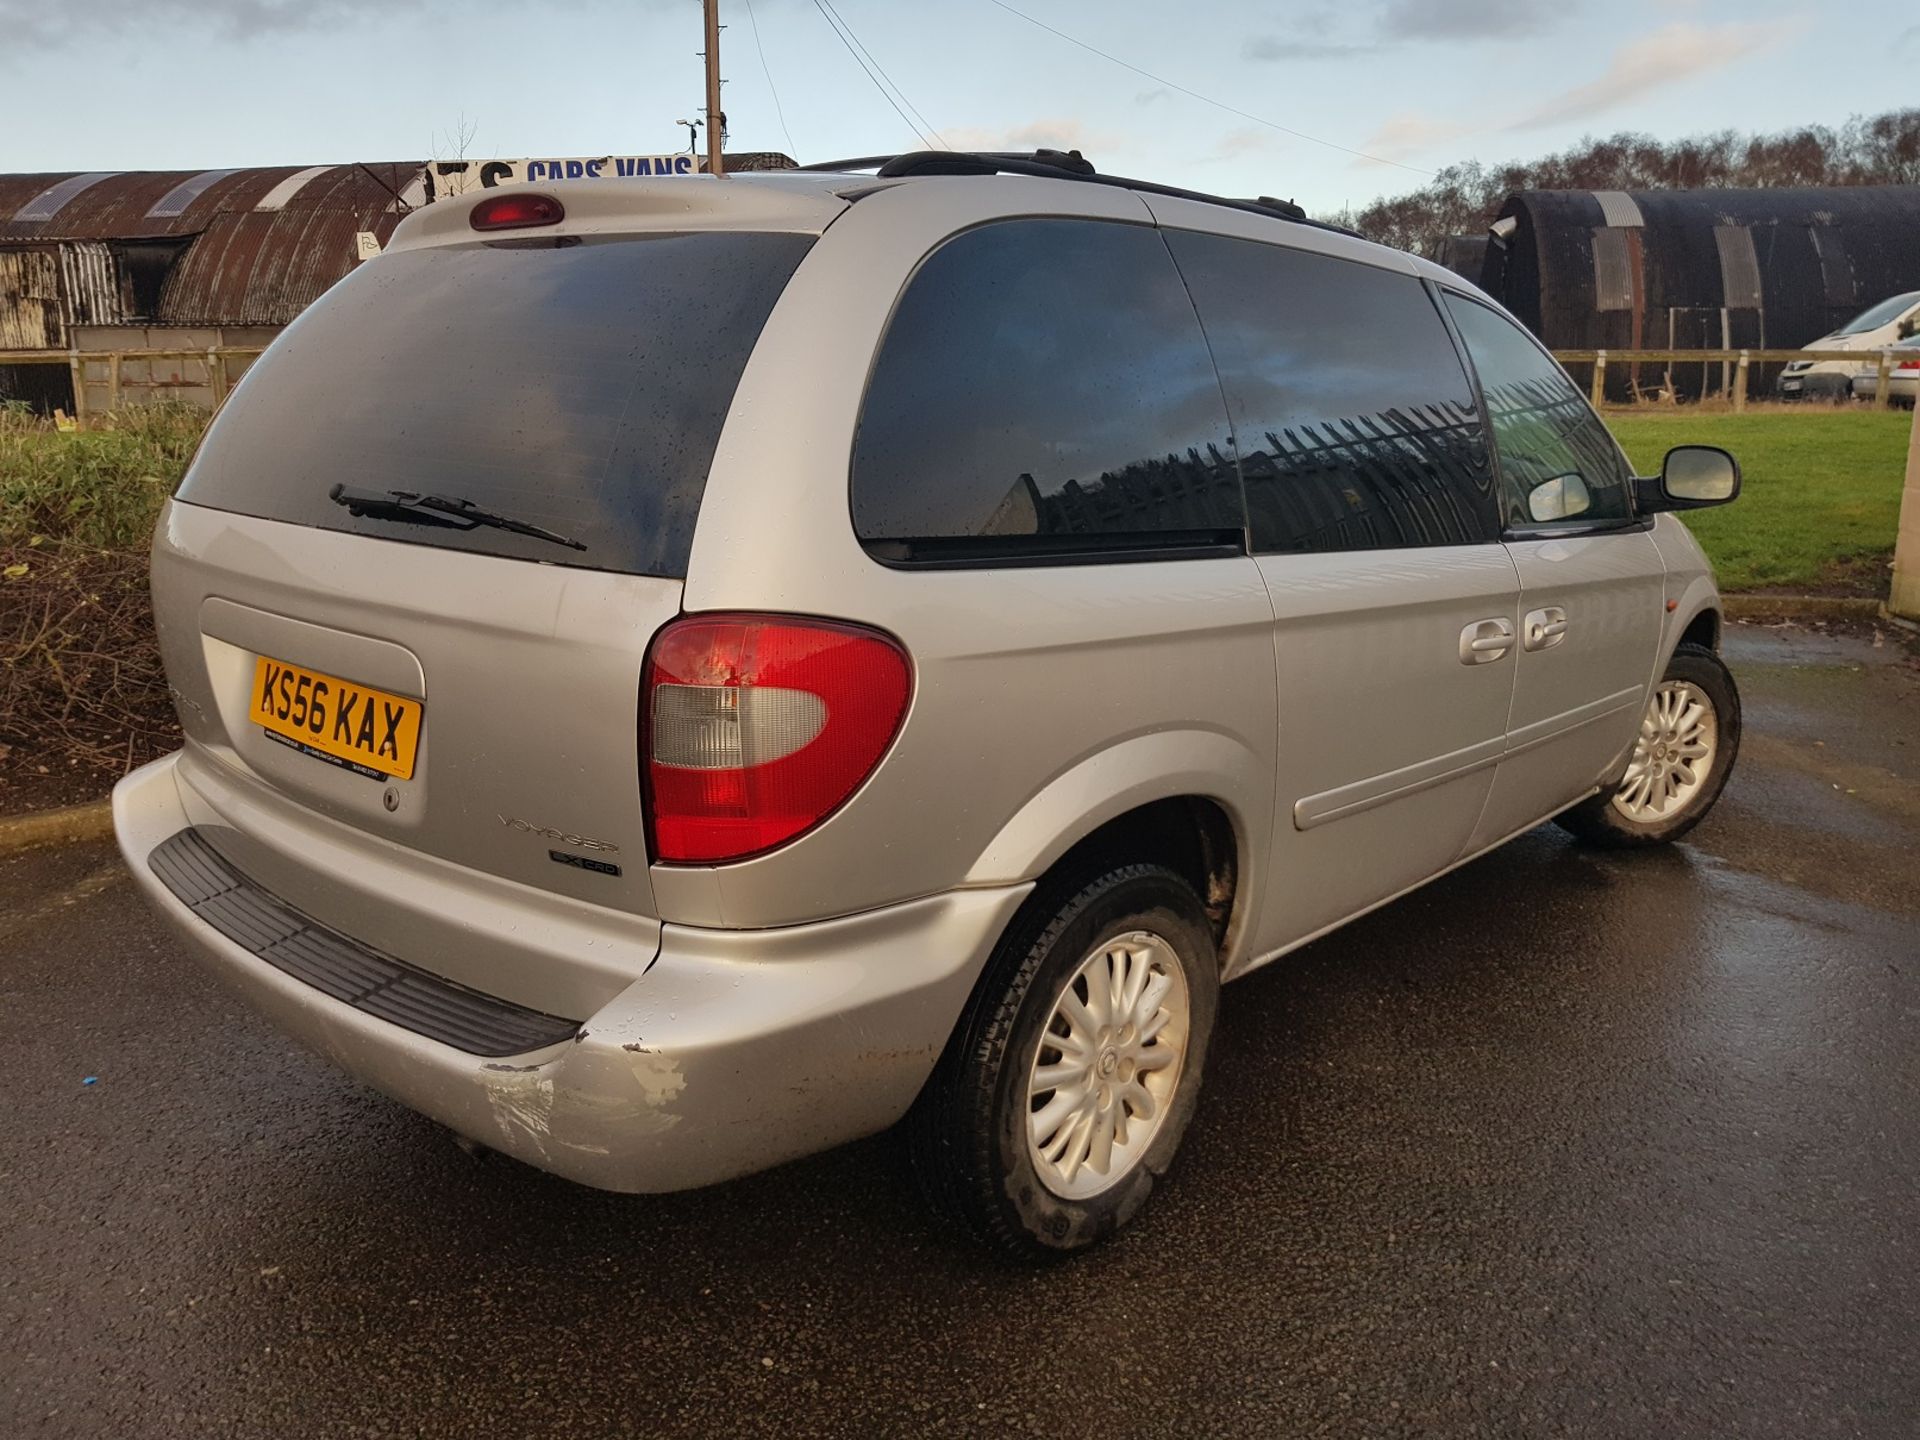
1485,641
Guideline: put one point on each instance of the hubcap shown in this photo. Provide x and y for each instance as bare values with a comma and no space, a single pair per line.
1673,756
1107,1065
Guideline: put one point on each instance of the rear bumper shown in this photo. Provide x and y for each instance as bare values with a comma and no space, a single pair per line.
737,1050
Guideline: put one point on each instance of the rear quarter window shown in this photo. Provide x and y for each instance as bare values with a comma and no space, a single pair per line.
1043,391
576,384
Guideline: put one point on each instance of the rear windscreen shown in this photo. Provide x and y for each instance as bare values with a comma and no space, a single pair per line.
574,385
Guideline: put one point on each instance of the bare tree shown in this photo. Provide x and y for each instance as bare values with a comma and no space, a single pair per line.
1464,199
448,170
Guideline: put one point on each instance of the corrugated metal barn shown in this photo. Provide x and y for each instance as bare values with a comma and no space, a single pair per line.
174,259
182,260
1465,255
1700,269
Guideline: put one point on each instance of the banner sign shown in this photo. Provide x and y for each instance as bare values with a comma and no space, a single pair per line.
443,179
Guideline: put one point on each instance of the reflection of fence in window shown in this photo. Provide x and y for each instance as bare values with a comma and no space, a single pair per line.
1193,492
1546,429
1398,478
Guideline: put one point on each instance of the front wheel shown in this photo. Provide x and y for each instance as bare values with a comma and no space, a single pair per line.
1681,758
1067,1087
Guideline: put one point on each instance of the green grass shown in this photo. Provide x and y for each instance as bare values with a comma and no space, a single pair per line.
1818,511
98,487
1820,495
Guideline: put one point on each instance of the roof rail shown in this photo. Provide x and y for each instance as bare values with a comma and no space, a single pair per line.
1056,165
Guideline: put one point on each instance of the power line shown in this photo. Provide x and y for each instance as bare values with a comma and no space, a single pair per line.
925,124
884,93
1204,99
792,149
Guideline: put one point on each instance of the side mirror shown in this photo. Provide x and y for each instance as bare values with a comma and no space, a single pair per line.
1691,477
1561,498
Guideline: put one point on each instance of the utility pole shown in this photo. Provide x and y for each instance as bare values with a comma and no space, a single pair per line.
716,121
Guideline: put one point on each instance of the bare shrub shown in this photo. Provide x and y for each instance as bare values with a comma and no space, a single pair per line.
80,677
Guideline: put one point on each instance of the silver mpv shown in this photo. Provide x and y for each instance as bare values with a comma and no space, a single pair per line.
680,674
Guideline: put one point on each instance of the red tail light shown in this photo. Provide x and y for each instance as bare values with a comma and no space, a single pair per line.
515,210
756,728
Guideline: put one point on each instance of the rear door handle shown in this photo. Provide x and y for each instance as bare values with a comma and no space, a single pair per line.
1486,640
1544,629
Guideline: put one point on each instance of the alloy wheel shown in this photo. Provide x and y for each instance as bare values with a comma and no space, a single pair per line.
1107,1065
1673,755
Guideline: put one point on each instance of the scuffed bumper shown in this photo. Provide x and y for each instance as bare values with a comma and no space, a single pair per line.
737,1050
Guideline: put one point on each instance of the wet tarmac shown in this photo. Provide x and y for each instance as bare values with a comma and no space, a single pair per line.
1565,1143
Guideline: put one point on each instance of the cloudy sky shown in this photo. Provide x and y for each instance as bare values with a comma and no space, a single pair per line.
1336,103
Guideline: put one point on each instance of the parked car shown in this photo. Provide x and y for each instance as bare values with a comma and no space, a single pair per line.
677,676
1874,328
1903,379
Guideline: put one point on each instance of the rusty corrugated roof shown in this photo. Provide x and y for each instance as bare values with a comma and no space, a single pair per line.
106,206
254,266
264,242
139,204
259,244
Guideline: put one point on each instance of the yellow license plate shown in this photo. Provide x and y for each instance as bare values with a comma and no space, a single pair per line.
356,726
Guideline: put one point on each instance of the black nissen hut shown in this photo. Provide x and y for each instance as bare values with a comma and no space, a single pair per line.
1700,269
1465,255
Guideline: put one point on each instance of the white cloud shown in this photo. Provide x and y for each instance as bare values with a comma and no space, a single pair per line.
1658,59
1052,134
1407,134
1673,53
1239,143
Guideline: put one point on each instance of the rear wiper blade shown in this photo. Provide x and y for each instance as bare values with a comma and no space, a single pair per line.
448,510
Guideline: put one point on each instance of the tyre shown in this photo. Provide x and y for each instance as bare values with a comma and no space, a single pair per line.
1689,738
1071,1077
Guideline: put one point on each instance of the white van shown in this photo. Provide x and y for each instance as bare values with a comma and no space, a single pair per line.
1874,328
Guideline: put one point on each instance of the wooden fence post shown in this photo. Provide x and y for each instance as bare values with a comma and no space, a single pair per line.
1884,371
1740,383
1905,600
1599,378
78,369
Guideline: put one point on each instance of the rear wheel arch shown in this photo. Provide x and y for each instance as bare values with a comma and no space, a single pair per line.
1161,798
1198,834
1192,835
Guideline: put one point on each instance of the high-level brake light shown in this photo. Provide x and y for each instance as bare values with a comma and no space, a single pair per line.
516,210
